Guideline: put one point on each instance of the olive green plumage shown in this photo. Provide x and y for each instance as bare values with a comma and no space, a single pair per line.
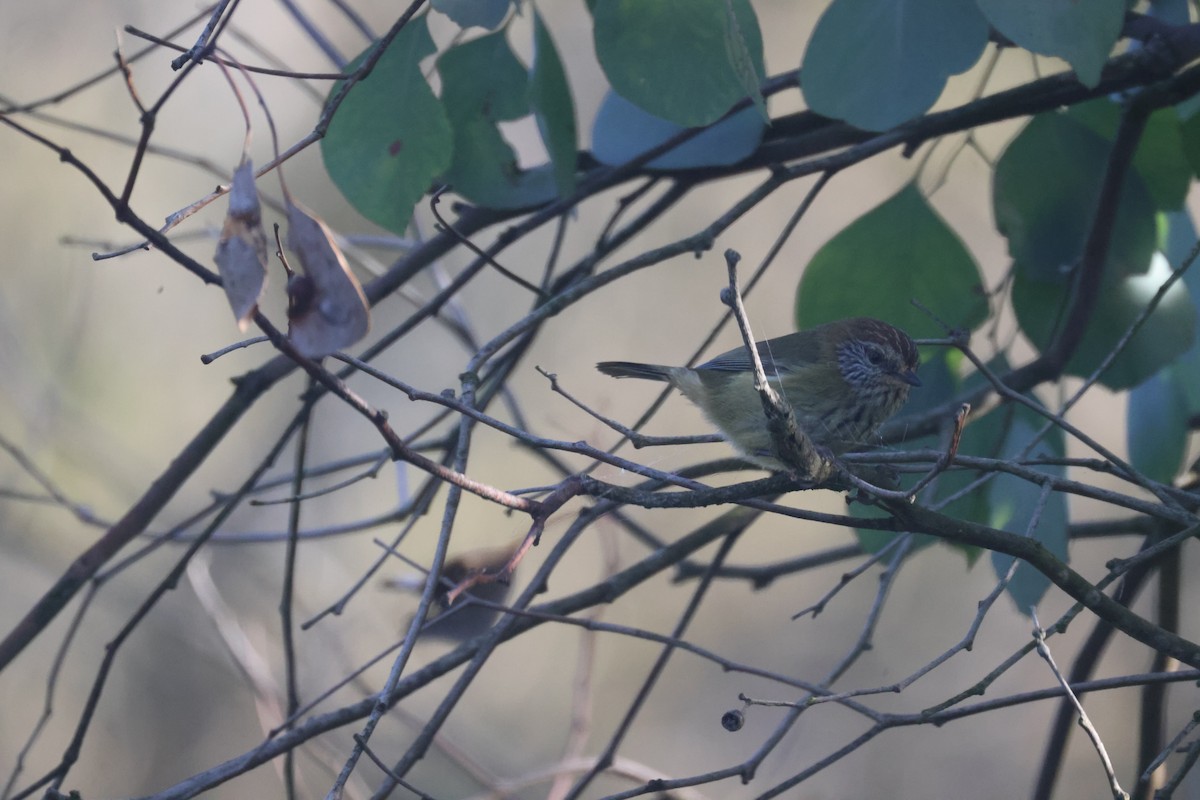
843,380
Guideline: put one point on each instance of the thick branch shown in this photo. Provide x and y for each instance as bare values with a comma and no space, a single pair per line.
1033,552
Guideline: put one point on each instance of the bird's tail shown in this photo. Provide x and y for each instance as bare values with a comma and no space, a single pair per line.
632,369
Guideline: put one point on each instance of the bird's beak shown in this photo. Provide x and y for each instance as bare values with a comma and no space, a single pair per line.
909,376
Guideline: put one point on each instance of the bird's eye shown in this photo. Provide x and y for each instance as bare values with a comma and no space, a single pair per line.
874,355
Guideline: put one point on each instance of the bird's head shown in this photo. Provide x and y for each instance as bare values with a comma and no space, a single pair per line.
876,359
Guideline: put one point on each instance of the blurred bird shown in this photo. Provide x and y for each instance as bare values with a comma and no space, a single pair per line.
461,620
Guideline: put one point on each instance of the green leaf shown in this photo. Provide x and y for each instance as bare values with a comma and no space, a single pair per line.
1166,334
900,251
1046,219
983,436
483,83
1160,159
1156,425
390,138
1190,130
1180,242
482,78
940,383
623,131
466,13
878,63
1172,12
872,541
680,60
749,71
550,96
485,170
1083,34
1013,502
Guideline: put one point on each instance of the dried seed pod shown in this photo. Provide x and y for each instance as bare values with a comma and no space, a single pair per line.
327,310
242,250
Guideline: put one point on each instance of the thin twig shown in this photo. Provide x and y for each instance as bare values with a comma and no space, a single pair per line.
1039,636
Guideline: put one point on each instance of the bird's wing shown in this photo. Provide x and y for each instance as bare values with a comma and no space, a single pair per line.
800,350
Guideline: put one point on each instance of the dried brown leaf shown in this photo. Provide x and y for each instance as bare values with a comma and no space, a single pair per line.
327,309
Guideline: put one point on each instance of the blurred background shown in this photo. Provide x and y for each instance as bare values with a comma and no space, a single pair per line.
103,385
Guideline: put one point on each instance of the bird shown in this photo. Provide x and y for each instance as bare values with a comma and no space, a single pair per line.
458,619
842,379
